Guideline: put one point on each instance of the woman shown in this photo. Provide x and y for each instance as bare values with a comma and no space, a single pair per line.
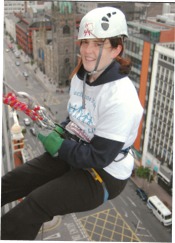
89,160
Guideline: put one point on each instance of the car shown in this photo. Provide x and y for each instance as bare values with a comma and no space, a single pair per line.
25,74
142,194
17,63
26,121
17,54
33,131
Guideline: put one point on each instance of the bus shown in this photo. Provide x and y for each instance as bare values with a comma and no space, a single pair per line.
162,213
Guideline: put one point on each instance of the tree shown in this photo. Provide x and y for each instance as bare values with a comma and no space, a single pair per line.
145,173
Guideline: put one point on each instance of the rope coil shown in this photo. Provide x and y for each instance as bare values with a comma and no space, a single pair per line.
37,113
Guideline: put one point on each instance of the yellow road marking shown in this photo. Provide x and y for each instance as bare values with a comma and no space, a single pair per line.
108,225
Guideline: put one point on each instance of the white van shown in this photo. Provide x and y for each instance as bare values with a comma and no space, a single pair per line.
160,210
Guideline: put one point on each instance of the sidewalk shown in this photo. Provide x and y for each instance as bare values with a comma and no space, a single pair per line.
153,189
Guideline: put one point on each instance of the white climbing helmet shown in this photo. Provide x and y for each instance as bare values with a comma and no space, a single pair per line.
104,22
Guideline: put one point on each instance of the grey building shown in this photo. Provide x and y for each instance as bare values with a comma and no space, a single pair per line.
158,139
63,41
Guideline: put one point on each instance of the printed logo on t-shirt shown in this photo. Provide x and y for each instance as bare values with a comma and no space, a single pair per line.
82,118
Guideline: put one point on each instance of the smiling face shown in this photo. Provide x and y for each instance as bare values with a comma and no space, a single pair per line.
89,50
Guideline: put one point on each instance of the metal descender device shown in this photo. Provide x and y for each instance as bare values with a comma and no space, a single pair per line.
30,107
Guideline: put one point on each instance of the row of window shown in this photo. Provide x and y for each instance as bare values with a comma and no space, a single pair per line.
160,153
152,36
167,59
15,3
161,130
134,46
165,107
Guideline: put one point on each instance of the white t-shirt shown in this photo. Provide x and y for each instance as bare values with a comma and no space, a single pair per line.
113,111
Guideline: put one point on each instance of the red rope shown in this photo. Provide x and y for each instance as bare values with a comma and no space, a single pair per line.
11,99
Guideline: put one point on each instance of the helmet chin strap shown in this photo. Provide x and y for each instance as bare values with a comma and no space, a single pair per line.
91,73
99,70
97,63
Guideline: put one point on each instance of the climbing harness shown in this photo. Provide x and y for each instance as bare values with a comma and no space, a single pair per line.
98,178
124,152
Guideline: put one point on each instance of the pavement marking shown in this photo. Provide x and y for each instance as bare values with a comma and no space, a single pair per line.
61,228
125,212
131,201
122,199
108,225
144,231
54,236
18,73
79,225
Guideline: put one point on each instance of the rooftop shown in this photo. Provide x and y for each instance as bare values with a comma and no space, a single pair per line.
169,45
148,26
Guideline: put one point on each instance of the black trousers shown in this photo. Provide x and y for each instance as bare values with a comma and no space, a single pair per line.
49,188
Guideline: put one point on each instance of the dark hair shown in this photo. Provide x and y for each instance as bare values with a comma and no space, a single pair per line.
125,63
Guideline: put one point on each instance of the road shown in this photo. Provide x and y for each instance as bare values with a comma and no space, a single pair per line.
132,220
139,217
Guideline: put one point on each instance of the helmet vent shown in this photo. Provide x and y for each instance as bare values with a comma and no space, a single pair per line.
103,22
105,19
105,26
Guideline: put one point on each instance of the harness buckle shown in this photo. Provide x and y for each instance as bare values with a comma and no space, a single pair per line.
98,178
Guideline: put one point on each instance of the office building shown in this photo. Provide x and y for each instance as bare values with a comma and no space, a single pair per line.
13,6
153,145
158,139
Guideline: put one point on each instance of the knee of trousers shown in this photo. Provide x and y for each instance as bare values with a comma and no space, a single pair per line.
36,208
23,221
44,205
28,210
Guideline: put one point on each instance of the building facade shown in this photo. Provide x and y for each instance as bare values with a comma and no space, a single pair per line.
10,22
63,41
43,50
13,6
158,139
9,155
39,5
140,49
155,85
24,31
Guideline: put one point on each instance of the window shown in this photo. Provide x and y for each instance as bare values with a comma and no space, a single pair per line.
66,29
152,205
168,216
66,60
